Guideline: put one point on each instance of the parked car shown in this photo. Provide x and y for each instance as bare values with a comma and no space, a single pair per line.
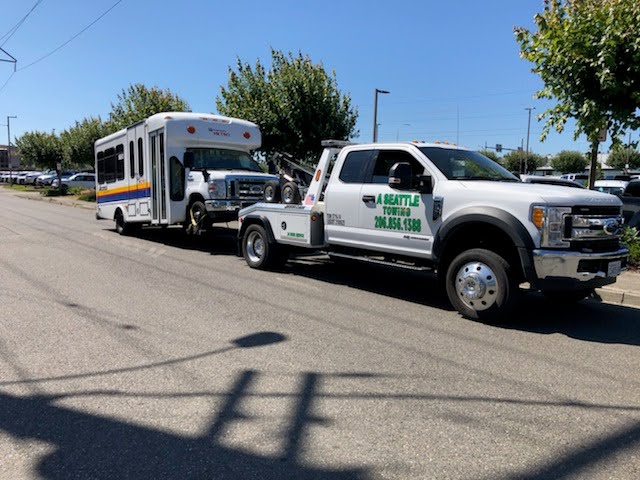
82,180
551,181
581,178
631,204
30,178
614,187
48,179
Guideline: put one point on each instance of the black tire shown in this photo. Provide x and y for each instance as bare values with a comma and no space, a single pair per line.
481,286
258,252
290,193
122,227
197,218
567,297
272,192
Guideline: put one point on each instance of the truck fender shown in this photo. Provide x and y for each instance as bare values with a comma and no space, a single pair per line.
252,219
500,219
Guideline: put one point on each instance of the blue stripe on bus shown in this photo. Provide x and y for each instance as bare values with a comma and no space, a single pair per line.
130,195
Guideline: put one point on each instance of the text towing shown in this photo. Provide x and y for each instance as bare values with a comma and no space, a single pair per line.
173,168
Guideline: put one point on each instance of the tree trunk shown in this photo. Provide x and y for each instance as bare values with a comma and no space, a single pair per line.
593,169
59,181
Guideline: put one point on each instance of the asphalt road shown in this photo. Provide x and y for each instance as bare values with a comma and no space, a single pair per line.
156,357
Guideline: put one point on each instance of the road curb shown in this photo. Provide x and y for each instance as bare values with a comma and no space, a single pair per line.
619,297
57,201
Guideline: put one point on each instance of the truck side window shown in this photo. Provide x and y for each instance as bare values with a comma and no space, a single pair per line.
387,159
355,166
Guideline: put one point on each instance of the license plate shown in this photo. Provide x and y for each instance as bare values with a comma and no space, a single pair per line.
613,270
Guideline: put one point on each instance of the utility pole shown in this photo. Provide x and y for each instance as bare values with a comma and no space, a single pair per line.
528,132
9,117
375,113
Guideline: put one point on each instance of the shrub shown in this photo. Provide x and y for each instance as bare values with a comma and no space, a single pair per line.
631,240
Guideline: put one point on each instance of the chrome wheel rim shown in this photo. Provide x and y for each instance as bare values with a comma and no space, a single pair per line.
477,286
269,193
255,247
287,195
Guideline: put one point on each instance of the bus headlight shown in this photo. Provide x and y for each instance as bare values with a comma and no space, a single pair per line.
550,222
217,189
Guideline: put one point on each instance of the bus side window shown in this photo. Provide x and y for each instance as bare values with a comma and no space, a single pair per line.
132,161
140,159
120,162
100,167
176,180
109,165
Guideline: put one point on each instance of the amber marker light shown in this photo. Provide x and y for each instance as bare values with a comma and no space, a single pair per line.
191,129
246,135
537,216
314,218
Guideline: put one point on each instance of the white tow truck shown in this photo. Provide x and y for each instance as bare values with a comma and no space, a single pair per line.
439,207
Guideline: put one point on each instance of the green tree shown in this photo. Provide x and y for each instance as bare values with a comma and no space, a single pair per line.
41,149
296,104
569,161
78,141
515,161
619,158
490,154
588,56
138,102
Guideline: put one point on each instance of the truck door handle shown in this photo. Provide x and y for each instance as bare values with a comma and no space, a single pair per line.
368,198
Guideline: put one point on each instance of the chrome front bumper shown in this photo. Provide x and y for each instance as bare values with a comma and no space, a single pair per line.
579,266
214,206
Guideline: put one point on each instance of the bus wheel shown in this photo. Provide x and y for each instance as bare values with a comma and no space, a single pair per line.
197,217
122,228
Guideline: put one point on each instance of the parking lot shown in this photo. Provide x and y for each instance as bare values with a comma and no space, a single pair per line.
161,357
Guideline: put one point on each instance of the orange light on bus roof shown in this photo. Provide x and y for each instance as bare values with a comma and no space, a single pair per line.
246,135
191,129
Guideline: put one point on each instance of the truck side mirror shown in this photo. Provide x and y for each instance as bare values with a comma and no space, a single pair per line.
400,176
424,184
188,160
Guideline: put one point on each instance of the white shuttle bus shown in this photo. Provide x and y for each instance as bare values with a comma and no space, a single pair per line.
178,168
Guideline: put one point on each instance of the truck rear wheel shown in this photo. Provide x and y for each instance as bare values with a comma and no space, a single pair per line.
479,285
258,252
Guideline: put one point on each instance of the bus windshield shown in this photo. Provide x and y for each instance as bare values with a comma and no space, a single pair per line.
223,159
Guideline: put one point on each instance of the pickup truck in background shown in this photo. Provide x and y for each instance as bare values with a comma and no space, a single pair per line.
450,210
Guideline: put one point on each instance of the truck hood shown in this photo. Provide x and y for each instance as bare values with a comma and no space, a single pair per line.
538,193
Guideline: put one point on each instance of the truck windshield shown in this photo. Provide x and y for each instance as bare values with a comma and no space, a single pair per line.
466,165
223,159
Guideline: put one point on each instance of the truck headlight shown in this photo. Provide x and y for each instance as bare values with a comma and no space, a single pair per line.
550,222
217,189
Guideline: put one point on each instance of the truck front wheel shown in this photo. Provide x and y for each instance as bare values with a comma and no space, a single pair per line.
258,252
479,285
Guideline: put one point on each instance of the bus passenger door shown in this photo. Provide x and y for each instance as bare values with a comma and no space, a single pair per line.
158,178
133,207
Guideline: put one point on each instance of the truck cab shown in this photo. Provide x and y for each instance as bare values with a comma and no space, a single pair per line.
452,210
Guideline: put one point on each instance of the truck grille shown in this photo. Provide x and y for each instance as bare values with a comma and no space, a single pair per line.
593,229
245,189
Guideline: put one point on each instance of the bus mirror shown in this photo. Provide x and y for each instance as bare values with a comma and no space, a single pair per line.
188,160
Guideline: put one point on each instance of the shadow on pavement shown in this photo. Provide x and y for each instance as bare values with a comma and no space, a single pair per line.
588,320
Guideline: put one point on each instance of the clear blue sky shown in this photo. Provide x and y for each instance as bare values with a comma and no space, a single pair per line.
440,60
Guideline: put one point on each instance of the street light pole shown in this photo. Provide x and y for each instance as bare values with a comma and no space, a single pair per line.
375,113
526,158
9,117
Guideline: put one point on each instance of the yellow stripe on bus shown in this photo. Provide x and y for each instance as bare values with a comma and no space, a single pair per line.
128,188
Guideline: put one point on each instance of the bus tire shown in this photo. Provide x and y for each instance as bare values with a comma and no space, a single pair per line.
196,218
122,227
258,252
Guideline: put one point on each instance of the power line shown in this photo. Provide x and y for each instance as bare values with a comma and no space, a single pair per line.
15,28
72,38
8,79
